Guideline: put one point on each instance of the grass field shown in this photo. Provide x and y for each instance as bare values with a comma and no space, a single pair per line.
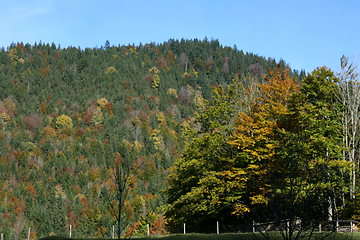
241,236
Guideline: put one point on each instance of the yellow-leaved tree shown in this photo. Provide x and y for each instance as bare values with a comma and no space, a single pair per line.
64,122
154,72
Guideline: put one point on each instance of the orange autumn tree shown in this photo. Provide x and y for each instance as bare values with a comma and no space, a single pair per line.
256,135
288,147
268,153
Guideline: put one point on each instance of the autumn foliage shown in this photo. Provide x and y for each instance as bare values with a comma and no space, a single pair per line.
70,116
261,160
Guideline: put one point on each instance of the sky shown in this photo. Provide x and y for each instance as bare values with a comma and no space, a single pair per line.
306,34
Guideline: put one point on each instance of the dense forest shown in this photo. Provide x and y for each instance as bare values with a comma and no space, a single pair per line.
69,117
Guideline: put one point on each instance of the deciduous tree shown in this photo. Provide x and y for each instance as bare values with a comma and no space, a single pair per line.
349,96
206,184
291,138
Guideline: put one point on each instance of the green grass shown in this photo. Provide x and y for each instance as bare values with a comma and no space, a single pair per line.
230,236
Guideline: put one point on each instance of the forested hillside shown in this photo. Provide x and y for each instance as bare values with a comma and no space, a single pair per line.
69,117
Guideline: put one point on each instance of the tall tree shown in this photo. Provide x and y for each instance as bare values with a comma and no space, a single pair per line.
206,182
319,125
291,138
349,96
259,133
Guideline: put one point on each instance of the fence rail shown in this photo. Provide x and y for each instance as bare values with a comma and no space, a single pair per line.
338,226
218,228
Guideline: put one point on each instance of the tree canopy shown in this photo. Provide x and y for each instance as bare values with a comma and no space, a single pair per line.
278,157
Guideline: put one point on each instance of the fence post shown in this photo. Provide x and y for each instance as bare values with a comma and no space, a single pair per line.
2,236
28,235
70,230
113,232
319,227
184,228
351,226
253,227
148,229
337,226
217,227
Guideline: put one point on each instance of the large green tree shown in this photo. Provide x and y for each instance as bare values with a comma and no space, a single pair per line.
319,126
205,183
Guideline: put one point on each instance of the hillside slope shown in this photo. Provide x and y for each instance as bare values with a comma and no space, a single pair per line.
68,117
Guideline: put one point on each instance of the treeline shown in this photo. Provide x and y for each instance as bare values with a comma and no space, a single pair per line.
69,116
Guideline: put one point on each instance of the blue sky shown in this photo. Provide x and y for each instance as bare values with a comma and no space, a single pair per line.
306,33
